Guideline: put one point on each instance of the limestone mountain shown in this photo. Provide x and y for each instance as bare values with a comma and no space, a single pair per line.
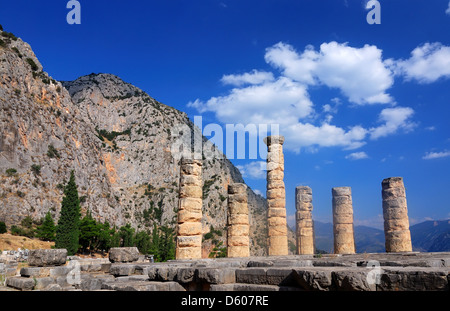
118,141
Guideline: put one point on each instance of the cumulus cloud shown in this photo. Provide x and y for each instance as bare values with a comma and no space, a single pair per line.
448,9
393,119
427,63
362,76
436,155
278,102
254,77
357,156
254,170
359,73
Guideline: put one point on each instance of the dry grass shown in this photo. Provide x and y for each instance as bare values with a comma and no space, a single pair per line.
13,242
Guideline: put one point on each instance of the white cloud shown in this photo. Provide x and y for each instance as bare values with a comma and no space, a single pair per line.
254,170
357,156
258,97
427,63
254,77
448,9
393,119
278,102
436,155
359,73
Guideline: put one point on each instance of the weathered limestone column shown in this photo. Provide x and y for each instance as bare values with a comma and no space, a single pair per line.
238,242
189,229
276,196
395,213
303,217
344,240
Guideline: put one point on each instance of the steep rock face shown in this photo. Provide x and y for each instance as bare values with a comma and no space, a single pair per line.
137,134
42,139
118,141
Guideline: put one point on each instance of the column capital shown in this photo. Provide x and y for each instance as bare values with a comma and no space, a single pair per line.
275,139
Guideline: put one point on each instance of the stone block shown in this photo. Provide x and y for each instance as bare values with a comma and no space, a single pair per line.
313,279
188,191
189,228
189,216
238,219
188,252
47,257
21,283
123,254
352,280
189,241
191,204
43,282
216,275
251,276
122,269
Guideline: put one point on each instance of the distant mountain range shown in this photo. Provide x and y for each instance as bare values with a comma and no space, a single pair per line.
428,236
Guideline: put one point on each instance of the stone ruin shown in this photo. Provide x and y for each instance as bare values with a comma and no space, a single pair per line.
123,271
304,221
344,240
189,229
398,269
276,197
238,240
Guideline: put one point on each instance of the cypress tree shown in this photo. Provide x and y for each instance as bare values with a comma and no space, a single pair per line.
46,231
67,231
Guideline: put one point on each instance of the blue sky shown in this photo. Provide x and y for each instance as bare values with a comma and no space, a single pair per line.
357,103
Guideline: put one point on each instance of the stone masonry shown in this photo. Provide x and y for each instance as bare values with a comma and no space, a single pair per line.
395,213
276,197
189,230
344,241
303,216
238,241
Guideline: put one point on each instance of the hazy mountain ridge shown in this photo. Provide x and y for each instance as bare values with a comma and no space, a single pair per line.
428,236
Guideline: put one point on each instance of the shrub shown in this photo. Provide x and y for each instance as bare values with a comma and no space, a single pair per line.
2,227
11,172
52,152
2,43
36,168
33,65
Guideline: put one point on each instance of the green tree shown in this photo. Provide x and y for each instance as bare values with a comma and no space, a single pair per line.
89,233
2,227
67,230
154,245
167,244
126,234
143,242
46,231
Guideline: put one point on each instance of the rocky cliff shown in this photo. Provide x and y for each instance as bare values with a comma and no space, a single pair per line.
117,139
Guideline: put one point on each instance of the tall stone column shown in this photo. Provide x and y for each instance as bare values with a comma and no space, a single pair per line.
276,196
344,240
395,213
303,217
189,229
238,242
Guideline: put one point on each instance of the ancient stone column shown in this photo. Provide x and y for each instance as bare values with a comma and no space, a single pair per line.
303,217
344,241
189,229
395,213
276,196
238,242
